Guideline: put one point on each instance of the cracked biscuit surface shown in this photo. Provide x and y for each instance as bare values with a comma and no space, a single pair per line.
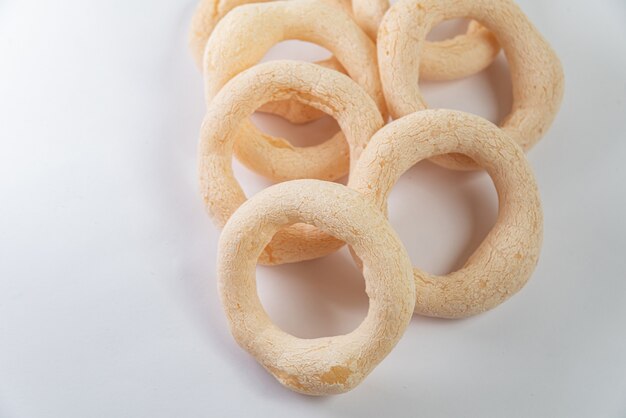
244,35
319,366
450,59
536,72
506,258
209,12
445,60
226,125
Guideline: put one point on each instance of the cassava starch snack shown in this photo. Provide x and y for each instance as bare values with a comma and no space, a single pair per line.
259,27
446,60
506,258
305,219
208,13
536,71
454,58
328,365
327,90
205,17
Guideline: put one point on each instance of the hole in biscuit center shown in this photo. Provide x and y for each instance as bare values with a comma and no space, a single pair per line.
301,125
318,298
441,215
487,93
299,135
297,50
448,29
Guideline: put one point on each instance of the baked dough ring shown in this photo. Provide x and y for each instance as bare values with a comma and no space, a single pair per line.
206,16
318,366
454,58
506,258
446,60
536,71
327,90
459,57
242,38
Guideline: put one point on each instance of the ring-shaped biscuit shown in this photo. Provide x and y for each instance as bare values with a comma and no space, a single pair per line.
206,16
327,90
536,72
451,59
242,38
444,60
506,258
318,366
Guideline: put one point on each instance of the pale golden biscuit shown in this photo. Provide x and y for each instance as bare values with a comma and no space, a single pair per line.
536,72
294,111
506,258
369,14
206,16
445,60
244,35
454,58
460,56
319,366
226,126
209,12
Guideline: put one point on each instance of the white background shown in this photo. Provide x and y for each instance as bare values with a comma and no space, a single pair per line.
108,303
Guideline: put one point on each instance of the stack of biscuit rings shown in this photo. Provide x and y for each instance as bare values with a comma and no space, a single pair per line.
378,53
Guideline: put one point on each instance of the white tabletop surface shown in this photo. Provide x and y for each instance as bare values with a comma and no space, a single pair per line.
108,300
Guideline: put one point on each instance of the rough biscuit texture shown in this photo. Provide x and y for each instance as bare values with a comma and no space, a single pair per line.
294,111
536,72
504,261
206,16
454,58
369,14
319,366
226,126
243,37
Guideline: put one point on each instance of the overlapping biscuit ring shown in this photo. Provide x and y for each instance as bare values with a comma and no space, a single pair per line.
259,27
209,12
328,365
504,261
454,58
206,16
536,72
444,60
330,91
